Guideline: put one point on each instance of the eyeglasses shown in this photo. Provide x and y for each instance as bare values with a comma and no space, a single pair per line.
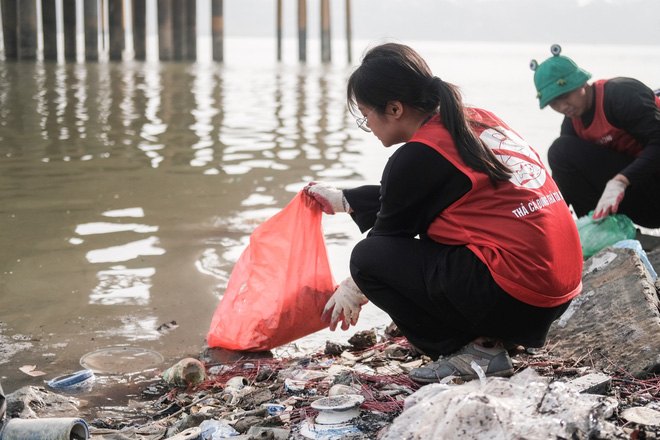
362,122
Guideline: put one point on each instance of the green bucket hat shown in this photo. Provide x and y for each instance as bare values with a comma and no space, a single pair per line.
556,76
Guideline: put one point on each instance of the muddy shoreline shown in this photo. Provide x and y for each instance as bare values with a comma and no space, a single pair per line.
374,368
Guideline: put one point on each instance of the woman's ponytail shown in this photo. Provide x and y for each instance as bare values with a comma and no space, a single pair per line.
395,72
474,152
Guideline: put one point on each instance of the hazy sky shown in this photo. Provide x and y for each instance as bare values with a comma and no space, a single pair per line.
575,21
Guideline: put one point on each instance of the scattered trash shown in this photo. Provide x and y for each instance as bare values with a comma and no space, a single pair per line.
188,371
363,339
167,327
189,434
31,370
66,428
121,360
642,416
215,429
594,383
337,409
260,432
367,394
326,432
274,408
78,382
340,389
236,382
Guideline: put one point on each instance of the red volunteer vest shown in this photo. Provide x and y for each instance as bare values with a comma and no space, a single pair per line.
601,132
522,230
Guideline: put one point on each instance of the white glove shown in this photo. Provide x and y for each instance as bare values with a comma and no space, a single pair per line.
610,199
345,304
331,199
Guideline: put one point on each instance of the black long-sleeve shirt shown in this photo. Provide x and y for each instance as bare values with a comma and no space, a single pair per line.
629,105
406,203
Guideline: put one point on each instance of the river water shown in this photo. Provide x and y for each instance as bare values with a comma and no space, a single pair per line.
128,190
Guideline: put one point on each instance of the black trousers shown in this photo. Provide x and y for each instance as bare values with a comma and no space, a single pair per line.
582,169
442,297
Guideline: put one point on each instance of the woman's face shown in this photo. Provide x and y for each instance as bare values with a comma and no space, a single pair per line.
572,104
383,125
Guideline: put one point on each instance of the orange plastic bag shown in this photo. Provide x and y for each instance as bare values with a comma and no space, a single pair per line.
279,285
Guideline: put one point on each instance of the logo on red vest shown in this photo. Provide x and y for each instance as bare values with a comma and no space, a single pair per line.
515,153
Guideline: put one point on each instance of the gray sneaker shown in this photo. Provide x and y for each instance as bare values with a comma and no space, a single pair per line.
495,361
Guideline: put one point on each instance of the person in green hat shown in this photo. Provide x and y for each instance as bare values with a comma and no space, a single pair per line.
607,157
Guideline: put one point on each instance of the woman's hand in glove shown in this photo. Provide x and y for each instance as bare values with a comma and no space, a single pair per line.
611,197
331,199
345,305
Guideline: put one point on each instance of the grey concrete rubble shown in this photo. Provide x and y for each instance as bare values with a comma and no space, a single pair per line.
37,402
596,379
592,383
615,322
525,406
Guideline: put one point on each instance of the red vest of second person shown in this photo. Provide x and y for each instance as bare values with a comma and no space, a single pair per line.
601,132
522,230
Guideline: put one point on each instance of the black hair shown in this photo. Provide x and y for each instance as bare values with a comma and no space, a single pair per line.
395,72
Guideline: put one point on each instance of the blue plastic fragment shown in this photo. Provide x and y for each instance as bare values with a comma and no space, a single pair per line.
71,380
637,246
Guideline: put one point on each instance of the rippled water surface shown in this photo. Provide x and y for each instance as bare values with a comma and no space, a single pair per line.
128,190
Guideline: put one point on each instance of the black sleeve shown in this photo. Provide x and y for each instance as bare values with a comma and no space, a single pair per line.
630,105
365,204
418,183
567,128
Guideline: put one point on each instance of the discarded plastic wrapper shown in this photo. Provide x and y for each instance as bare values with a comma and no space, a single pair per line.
598,234
279,285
